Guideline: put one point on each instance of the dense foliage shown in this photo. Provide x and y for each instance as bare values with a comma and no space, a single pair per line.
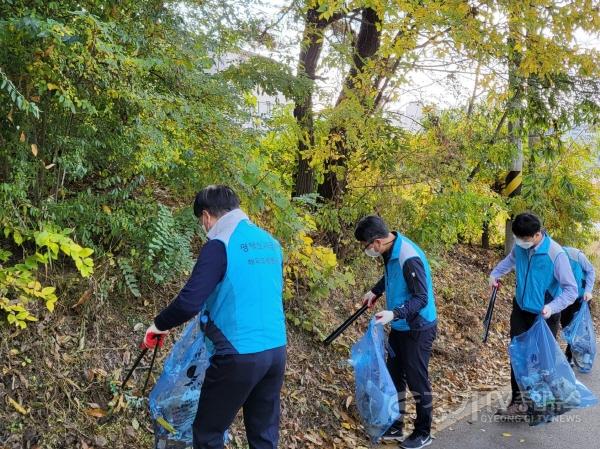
112,116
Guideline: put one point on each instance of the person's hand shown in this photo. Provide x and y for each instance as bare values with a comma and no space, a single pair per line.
369,299
587,296
546,312
493,282
153,337
384,317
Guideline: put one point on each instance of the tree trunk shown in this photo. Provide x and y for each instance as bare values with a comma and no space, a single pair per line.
485,235
366,46
312,44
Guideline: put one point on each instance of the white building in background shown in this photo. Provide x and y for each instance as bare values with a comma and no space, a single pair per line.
412,117
408,117
263,109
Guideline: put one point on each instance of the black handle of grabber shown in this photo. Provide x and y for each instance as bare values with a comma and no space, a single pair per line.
150,369
135,365
336,333
487,321
137,362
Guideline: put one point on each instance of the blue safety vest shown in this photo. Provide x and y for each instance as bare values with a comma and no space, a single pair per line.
244,314
536,284
396,290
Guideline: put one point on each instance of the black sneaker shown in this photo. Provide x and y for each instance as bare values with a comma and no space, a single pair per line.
514,409
415,441
393,434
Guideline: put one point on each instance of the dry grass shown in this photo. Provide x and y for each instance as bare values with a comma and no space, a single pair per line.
62,370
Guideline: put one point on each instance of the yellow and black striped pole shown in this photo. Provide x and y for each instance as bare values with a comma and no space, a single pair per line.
512,183
512,187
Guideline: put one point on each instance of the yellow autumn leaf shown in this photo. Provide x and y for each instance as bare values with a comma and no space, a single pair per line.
106,209
18,407
51,86
95,412
330,259
306,239
22,137
34,149
163,422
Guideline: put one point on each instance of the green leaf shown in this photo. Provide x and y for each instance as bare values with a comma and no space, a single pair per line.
48,291
4,255
85,252
41,238
17,237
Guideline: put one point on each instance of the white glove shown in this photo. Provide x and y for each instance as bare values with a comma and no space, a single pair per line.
384,317
154,336
546,312
369,299
587,296
493,281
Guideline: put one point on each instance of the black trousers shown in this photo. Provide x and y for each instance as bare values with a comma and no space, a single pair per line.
251,381
566,317
521,321
408,364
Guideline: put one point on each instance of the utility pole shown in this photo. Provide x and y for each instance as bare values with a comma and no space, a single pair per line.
514,178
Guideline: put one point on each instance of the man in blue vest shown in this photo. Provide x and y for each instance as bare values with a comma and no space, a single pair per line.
411,309
545,285
237,285
585,276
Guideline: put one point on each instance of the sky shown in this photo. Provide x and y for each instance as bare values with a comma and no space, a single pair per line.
432,86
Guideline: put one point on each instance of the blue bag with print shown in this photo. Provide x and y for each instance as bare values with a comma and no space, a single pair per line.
544,376
582,338
376,395
174,398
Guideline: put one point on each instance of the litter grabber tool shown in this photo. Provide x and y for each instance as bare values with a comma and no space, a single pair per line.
487,321
336,333
137,362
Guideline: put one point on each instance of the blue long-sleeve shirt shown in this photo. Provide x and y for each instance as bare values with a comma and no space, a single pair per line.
208,272
562,273
588,271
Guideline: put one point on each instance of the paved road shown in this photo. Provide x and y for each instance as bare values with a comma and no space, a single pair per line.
579,429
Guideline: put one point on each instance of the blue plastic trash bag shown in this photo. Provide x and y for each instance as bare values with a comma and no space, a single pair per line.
174,398
545,378
376,395
582,338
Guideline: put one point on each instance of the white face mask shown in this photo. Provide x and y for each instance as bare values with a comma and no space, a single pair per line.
523,244
204,225
371,253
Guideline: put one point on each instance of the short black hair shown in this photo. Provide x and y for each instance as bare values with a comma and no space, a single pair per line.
370,228
217,200
526,225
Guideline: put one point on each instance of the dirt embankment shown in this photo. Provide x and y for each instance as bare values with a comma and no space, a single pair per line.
58,377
